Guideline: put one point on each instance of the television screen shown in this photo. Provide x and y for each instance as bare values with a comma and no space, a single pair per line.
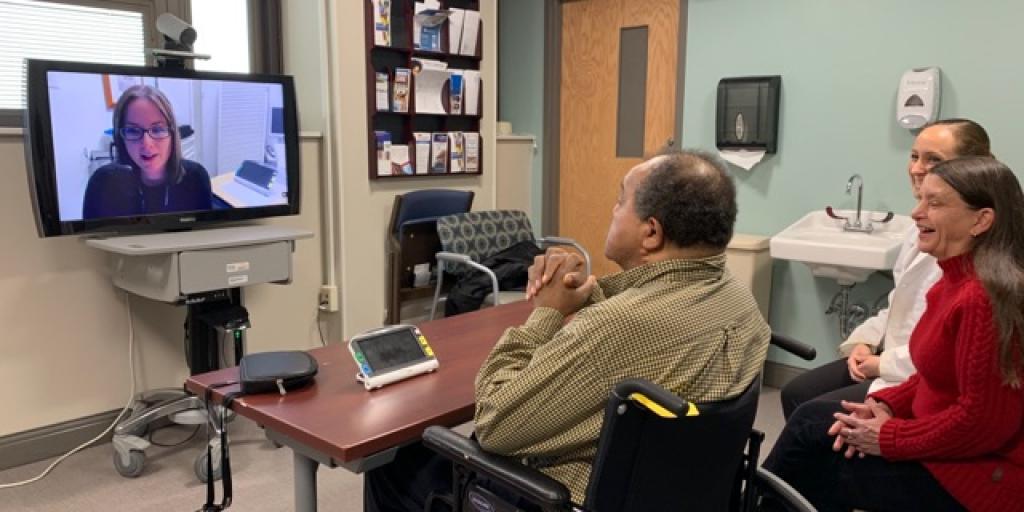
115,147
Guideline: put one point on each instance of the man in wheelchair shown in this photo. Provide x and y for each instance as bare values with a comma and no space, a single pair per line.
674,316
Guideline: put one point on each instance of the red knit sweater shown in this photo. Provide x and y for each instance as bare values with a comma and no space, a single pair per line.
955,415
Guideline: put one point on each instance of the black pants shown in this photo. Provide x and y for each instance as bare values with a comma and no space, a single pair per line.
827,382
404,484
803,457
417,471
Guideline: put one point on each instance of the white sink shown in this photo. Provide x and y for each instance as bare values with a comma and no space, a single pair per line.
848,257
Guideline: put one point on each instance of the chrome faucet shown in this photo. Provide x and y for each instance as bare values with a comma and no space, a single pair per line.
856,224
860,193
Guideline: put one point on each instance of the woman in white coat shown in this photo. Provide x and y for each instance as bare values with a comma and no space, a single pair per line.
876,355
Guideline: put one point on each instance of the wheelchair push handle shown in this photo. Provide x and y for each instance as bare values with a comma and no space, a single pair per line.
653,397
799,349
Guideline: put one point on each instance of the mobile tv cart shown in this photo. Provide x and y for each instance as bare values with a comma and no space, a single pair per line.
203,270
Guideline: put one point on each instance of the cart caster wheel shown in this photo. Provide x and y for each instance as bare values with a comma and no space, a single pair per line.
136,460
200,468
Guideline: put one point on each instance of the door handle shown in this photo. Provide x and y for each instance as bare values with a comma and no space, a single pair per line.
670,142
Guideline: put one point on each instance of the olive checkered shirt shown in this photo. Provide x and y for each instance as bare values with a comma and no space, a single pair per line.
686,325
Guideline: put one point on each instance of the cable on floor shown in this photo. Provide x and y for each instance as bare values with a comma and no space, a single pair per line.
127,407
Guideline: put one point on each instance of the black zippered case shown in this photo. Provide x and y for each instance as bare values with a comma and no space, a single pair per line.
281,371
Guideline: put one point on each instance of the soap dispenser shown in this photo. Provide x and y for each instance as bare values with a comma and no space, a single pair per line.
917,102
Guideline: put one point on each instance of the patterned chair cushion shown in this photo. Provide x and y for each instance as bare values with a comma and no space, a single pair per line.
481,234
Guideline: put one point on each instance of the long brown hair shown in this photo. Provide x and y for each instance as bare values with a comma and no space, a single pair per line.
175,171
999,252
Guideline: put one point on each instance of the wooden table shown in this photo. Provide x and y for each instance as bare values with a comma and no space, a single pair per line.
336,422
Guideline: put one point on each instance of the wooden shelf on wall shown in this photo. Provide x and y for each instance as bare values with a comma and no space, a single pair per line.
401,126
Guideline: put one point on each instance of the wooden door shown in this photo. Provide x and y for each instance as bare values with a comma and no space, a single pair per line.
590,168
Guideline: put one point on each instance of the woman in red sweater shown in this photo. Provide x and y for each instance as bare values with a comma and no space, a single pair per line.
952,436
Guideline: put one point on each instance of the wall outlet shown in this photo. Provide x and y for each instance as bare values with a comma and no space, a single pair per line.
328,299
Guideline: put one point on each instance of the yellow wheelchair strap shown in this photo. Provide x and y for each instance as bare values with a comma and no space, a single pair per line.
654,407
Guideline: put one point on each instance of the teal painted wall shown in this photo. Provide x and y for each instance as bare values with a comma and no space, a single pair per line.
521,79
841,63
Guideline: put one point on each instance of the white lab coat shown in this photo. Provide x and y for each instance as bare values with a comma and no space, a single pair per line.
914,273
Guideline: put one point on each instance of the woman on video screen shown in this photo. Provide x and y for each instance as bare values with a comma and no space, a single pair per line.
149,174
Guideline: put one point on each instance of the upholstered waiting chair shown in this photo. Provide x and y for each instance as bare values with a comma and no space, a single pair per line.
467,239
412,240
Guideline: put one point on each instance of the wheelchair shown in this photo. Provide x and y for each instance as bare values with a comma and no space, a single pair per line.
656,452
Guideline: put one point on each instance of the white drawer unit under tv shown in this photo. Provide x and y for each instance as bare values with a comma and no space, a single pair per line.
168,267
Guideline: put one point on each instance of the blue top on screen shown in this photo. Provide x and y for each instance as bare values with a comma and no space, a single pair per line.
113,147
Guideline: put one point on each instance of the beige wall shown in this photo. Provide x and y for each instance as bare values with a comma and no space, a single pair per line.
365,206
63,346
64,341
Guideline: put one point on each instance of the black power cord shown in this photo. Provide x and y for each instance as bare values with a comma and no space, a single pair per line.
176,443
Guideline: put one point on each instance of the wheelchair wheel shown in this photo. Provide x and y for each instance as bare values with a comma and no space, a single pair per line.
772,494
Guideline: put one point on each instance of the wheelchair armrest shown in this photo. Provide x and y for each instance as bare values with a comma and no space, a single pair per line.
799,349
561,240
527,481
655,395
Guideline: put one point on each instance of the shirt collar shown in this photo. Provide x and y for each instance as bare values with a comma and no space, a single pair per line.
675,270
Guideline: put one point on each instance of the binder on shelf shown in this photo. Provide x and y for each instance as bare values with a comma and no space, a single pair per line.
400,164
422,152
439,153
455,22
383,105
470,33
456,142
471,145
400,103
455,92
471,92
383,153
430,83
382,22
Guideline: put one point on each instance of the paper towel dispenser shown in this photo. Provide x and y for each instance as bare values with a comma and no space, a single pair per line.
748,113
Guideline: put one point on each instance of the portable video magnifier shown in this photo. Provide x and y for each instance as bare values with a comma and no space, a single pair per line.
390,354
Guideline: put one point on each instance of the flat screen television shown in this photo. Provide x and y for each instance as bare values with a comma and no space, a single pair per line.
126,148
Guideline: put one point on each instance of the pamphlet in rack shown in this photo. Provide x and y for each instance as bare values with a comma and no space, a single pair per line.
422,152
383,153
401,99
439,153
455,21
427,22
382,22
429,85
457,152
383,105
472,148
400,160
470,33
455,92
471,92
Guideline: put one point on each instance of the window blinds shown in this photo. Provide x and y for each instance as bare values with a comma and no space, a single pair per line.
32,29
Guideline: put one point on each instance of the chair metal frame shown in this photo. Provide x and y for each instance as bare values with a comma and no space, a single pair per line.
453,258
